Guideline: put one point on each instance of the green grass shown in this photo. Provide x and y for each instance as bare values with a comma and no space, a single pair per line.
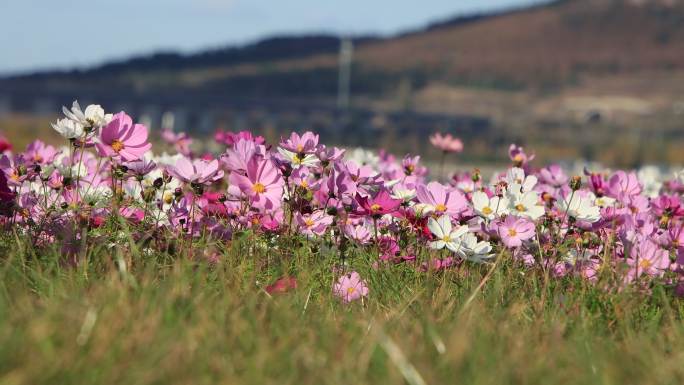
126,317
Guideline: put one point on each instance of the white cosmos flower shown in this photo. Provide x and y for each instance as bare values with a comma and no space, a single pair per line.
516,176
298,160
96,194
467,186
68,128
580,207
404,194
93,116
524,204
79,171
474,250
363,157
133,190
422,209
165,159
651,178
679,176
488,207
602,201
445,235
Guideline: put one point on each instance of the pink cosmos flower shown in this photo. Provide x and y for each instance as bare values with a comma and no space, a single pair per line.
624,186
364,175
230,138
262,183
437,264
140,168
15,169
315,223
329,154
39,153
648,258
307,143
518,156
597,182
350,287
513,231
446,143
441,199
668,205
181,141
382,203
122,138
553,175
235,159
197,171
411,166
359,233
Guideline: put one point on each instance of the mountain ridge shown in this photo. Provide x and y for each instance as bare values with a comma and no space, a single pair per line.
547,45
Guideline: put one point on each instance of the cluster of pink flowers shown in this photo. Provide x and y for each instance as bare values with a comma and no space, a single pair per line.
612,224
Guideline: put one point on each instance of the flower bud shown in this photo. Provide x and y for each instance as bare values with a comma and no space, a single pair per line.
166,176
576,183
476,177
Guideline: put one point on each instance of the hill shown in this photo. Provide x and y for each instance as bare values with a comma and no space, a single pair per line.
543,46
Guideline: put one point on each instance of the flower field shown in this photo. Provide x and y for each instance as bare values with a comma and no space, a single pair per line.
297,262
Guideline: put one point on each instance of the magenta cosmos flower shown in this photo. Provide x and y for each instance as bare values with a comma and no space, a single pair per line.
262,183
513,231
382,203
446,143
122,138
198,171
350,287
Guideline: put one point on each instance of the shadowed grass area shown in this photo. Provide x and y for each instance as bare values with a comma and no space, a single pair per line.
129,318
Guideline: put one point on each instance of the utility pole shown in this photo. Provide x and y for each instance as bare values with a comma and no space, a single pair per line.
344,79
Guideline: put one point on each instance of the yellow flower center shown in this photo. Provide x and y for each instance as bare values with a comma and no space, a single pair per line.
518,158
308,222
304,184
258,188
520,207
256,220
117,145
487,210
446,238
14,177
375,207
440,207
512,232
300,148
645,264
168,197
351,290
410,168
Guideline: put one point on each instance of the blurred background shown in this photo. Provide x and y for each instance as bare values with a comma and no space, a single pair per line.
601,80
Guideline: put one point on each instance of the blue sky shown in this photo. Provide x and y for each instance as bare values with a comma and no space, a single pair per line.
38,34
